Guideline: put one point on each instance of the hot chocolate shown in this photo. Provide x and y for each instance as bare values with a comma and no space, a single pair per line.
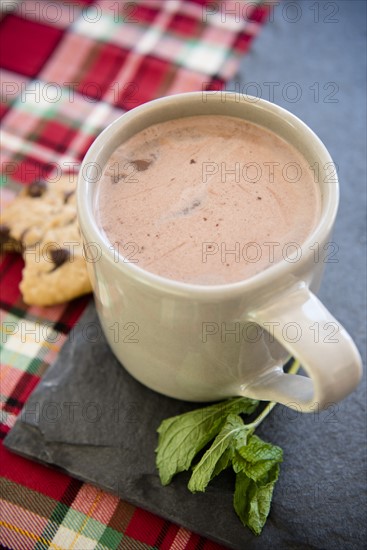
207,200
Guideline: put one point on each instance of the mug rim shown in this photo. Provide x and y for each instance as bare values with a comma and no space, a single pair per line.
89,227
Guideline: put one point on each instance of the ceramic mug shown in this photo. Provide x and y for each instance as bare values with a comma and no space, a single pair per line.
205,343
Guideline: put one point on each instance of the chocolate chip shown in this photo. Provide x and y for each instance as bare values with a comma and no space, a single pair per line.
67,195
7,242
37,189
59,256
141,165
4,233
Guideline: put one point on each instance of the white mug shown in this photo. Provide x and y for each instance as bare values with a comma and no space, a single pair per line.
205,343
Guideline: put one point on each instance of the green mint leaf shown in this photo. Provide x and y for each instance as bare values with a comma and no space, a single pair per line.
233,433
182,437
256,458
224,462
252,499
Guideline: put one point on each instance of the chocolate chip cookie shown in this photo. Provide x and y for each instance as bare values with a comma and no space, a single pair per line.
41,223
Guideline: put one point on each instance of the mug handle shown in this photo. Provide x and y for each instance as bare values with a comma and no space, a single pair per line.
302,324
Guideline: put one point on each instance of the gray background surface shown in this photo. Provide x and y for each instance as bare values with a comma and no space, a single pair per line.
317,49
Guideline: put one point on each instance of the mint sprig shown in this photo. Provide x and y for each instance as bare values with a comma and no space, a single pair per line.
224,445
252,499
255,462
182,437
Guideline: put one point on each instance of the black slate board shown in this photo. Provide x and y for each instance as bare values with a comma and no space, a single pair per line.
89,417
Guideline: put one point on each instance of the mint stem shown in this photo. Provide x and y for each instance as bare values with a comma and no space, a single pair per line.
253,425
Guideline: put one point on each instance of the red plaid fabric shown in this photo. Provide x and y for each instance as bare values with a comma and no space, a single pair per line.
68,69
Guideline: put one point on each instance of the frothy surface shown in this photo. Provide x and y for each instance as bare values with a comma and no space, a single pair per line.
207,199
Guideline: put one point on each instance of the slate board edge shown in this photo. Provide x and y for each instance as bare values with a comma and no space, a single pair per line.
28,431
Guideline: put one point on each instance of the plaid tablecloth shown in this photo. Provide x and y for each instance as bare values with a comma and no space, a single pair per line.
68,69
